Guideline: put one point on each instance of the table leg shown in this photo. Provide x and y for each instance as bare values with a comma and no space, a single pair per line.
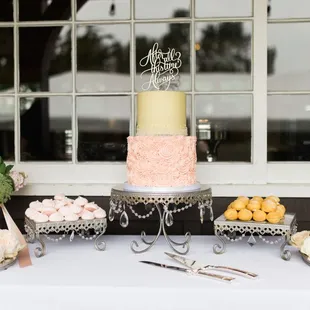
219,248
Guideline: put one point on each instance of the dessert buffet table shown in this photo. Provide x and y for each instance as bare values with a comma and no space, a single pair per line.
73,276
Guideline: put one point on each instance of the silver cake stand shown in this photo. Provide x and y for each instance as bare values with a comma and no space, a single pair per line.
166,204
35,231
227,231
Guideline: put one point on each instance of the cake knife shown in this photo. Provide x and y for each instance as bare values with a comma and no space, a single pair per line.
198,266
190,271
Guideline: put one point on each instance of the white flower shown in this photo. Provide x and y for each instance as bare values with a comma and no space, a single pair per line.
10,244
297,239
18,179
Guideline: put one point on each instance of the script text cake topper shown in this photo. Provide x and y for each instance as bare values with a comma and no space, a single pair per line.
164,68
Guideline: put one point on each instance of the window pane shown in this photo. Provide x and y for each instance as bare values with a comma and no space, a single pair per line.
223,127
150,9
44,10
45,129
223,8
288,128
103,58
168,36
45,59
288,57
289,9
223,56
6,12
7,107
6,60
103,10
103,124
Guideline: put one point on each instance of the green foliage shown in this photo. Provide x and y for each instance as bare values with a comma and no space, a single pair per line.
6,182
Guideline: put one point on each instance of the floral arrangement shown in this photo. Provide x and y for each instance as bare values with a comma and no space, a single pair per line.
301,241
10,181
12,241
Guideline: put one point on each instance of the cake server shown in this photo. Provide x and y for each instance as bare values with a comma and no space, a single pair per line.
194,265
190,271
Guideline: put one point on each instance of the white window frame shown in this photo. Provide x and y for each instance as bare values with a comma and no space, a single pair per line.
226,179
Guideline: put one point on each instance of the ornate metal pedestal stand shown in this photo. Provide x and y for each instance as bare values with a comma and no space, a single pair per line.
228,230
82,228
166,204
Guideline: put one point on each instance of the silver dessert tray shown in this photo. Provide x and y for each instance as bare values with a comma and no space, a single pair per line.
7,263
227,230
82,228
166,204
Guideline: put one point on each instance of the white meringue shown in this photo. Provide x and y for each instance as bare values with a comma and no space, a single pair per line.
87,215
100,213
71,217
48,211
68,201
40,218
36,205
81,201
65,211
56,217
30,212
76,209
48,203
59,197
91,206
305,248
2,251
59,204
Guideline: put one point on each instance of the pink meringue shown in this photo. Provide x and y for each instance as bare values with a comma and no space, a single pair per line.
87,215
99,213
65,211
59,197
48,211
68,201
81,201
76,209
36,205
56,217
48,203
91,206
40,218
71,217
59,204
32,213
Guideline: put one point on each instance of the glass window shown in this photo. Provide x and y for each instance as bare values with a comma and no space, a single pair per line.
289,63
44,127
289,8
223,56
223,127
289,128
103,61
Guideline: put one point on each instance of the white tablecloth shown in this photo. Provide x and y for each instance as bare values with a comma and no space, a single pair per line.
76,276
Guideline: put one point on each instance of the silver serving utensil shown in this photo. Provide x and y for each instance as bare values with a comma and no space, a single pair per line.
190,271
198,266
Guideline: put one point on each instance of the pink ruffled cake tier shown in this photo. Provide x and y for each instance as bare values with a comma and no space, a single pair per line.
161,161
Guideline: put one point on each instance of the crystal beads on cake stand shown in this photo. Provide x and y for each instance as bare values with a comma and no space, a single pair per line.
166,204
254,231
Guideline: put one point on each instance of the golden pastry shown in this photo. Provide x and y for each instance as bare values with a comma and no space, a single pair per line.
238,205
245,215
244,199
259,216
269,206
273,217
257,198
231,214
254,205
281,209
230,206
274,198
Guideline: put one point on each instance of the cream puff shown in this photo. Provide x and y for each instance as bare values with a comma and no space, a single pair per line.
230,214
259,216
245,215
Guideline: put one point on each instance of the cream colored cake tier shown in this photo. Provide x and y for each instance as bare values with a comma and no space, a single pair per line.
161,113
161,161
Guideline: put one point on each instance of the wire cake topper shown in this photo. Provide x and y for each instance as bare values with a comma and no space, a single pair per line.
164,68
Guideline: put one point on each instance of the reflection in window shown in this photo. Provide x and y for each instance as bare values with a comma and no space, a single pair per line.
289,128
6,60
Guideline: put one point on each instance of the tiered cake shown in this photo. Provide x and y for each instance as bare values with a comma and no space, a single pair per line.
161,157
